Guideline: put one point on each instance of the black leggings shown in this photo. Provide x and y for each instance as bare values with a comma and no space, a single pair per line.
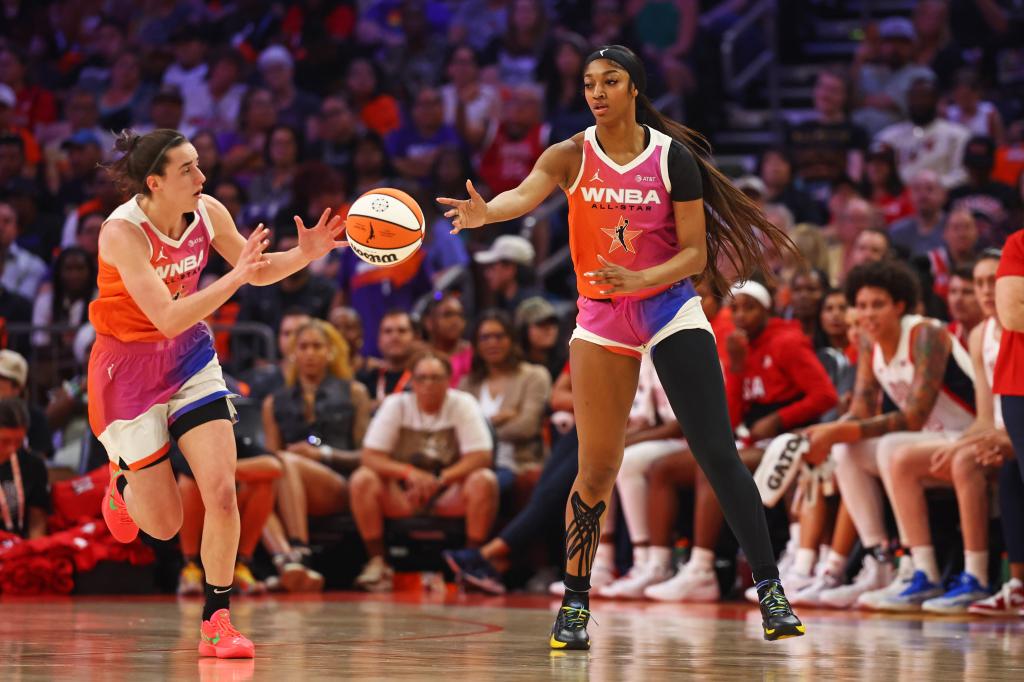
1013,417
691,374
1011,509
548,499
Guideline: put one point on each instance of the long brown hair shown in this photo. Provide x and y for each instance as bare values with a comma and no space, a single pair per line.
338,366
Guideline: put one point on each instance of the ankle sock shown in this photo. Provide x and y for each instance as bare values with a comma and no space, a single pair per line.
217,598
924,560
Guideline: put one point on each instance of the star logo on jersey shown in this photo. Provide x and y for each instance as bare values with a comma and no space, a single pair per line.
161,256
597,176
621,236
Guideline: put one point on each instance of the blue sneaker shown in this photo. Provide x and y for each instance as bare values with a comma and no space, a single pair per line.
918,591
965,591
470,567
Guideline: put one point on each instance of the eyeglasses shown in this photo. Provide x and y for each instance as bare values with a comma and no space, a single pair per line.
434,378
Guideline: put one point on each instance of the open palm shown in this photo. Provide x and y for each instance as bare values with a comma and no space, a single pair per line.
319,240
467,213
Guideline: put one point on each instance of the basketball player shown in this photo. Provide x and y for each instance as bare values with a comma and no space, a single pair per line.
636,297
153,372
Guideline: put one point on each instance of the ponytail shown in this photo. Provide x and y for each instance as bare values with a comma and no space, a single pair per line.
735,221
142,156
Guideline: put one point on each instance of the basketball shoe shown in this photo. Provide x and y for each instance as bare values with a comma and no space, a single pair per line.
1009,600
245,582
689,584
218,637
470,567
190,580
965,591
376,576
904,576
873,575
777,618
570,628
911,597
633,584
810,595
115,511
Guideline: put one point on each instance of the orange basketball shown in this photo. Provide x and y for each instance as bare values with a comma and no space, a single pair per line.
384,226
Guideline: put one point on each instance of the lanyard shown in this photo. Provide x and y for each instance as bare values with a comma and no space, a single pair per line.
19,491
399,387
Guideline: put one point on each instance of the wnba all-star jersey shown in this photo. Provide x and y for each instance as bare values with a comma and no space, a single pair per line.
954,408
623,213
989,354
178,262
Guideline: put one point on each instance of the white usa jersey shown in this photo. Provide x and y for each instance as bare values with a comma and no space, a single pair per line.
989,353
954,408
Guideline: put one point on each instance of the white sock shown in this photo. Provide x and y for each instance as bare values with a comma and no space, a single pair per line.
836,563
804,562
640,555
659,556
976,563
794,536
924,560
701,559
605,557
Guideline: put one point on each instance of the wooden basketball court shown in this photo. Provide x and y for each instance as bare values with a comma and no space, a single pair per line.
471,638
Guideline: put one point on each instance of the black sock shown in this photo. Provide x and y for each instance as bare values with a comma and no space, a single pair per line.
575,598
578,583
217,598
881,553
121,483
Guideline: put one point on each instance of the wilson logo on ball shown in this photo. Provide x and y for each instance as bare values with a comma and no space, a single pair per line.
385,226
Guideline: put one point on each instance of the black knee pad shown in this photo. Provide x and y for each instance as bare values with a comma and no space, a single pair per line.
211,411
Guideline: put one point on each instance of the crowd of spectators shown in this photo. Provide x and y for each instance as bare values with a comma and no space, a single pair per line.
383,393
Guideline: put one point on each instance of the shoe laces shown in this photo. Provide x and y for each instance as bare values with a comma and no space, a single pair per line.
225,627
576,617
775,602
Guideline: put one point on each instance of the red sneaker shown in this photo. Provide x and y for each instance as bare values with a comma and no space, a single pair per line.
115,511
218,637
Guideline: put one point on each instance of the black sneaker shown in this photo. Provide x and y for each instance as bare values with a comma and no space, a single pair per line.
570,628
777,617
470,567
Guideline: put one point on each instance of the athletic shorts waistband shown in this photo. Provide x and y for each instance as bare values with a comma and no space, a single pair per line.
112,343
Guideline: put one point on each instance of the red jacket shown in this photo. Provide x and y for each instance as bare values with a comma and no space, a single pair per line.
782,374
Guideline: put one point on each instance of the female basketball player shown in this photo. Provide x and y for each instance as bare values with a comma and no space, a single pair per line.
153,372
638,187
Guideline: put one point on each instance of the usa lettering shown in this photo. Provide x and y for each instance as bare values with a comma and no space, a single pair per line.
187,264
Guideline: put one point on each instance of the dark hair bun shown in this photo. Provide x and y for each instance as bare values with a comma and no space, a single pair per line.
126,141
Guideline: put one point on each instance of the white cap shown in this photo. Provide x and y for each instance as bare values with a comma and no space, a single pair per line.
275,55
754,290
508,247
13,366
7,96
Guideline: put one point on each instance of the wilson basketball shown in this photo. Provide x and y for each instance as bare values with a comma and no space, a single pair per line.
384,226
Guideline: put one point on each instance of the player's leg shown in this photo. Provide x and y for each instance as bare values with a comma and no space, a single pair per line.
1009,600
604,384
688,366
256,495
190,581
373,499
151,497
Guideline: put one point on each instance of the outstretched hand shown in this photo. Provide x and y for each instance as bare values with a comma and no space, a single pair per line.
615,279
467,213
319,240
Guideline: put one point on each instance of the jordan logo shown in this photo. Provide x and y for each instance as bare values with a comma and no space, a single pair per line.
161,256
597,176
621,237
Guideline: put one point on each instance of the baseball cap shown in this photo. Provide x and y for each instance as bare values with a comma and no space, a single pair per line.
533,310
7,96
508,247
275,55
752,184
13,366
896,28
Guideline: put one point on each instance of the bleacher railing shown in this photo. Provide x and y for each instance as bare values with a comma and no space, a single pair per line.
764,64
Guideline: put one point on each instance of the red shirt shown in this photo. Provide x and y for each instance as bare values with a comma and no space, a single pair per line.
1009,372
782,374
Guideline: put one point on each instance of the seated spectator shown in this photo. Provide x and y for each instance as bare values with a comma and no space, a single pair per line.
538,326
958,251
14,309
776,171
565,105
23,272
256,473
967,108
166,110
445,251
926,377
378,111
510,152
209,160
513,396
84,155
245,144
126,99
964,310
774,383
189,69
294,106
513,58
272,190
871,245
506,271
427,452
19,144
14,384
103,196
336,133
927,142
417,60
912,468
396,339
1009,165
350,325
477,22
983,195
812,247
214,103
883,186
807,289
371,166
36,105
828,145
265,377
24,482
64,302
315,423
855,217
413,148
444,323
923,231
470,106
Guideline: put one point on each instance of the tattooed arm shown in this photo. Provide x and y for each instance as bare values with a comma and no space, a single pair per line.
867,392
931,348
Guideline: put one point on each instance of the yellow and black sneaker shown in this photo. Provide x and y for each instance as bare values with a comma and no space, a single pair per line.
570,629
777,617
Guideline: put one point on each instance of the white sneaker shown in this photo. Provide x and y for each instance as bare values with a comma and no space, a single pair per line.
902,579
631,585
792,580
690,584
873,575
787,557
601,575
1008,601
811,594
915,593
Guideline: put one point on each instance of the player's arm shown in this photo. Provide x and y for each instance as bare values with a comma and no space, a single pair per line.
314,242
867,392
125,248
272,440
550,171
984,418
932,346
1010,302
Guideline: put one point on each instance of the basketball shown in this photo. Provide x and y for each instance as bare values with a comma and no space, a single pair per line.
384,226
